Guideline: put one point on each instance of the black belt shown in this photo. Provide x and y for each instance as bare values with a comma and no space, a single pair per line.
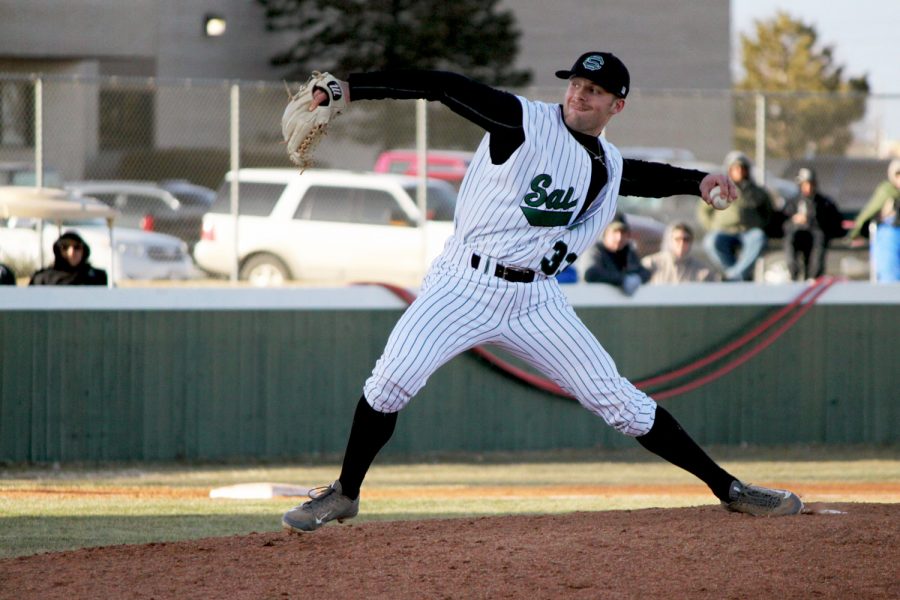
513,274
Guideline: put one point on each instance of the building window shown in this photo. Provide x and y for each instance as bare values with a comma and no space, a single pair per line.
16,113
126,119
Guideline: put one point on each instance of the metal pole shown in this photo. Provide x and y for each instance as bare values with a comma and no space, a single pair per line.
873,268
422,161
761,137
39,157
235,166
39,133
40,232
113,263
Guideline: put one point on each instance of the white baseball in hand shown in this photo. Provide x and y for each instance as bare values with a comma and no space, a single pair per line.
718,201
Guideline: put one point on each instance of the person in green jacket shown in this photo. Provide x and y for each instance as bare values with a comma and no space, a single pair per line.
736,236
882,209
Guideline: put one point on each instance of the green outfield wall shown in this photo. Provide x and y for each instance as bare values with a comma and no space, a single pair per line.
241,374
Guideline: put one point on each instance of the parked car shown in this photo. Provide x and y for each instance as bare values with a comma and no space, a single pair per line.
325,225
147,206
22,173
189,193
138,254
646,233
448,165
658,154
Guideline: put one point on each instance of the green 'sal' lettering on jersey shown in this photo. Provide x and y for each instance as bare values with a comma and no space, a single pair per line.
545,208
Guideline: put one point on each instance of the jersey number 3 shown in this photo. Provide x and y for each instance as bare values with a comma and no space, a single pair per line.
553,264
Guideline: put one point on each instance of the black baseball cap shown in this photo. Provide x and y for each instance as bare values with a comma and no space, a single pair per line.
604,69
805,174
619,222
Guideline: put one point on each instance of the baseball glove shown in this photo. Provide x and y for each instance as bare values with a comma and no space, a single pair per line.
302,128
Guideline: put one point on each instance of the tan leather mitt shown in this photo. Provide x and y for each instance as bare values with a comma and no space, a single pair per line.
303,128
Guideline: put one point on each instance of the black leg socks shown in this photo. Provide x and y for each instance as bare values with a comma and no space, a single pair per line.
370,431
668,440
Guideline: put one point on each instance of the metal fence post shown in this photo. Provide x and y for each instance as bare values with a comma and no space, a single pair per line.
235,165
761,137
39,157
422,160
873,267
39,132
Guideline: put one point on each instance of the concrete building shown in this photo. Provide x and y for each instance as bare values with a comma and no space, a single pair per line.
666,47
152,38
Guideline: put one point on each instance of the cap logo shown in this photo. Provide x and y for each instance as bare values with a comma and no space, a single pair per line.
593,63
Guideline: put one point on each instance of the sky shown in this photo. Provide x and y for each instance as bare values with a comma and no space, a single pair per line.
865,34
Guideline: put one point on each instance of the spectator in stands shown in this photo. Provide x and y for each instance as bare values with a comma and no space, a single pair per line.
7,275
811,221
737,235
568,275
71,265
615,260
883,209
674,263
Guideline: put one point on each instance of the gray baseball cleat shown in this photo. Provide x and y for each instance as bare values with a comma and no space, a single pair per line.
762,502
326,503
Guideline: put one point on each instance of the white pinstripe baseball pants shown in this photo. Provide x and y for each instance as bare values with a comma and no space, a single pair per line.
460,308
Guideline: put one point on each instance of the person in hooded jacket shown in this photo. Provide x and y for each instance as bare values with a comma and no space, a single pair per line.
737,236
71,265
674,262
615,260
7,275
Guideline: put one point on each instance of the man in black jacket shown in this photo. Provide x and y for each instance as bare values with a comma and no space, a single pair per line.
7,275
616,261
70,265
812,219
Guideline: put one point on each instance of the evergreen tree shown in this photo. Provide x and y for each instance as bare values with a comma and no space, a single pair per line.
472,37
810,103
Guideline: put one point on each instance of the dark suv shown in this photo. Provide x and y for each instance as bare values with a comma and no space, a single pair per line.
149,207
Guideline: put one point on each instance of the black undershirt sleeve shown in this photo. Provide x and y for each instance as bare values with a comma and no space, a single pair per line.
658,180
497,112
500,114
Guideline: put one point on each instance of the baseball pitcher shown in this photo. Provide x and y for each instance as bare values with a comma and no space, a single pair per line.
542,186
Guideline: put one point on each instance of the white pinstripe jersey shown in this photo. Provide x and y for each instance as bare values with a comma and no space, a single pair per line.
518,212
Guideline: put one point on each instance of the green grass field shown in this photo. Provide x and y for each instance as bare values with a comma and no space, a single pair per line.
51,509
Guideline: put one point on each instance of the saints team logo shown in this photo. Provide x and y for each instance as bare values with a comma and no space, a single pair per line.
593,63
544,207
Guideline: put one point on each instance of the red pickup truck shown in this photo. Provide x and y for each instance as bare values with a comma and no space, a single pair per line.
449,165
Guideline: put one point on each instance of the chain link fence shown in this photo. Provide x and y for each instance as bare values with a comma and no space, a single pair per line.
187,134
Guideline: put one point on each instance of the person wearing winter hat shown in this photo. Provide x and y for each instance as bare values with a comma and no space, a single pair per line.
736,236
674,262
7,275
71,265
615,260
812,219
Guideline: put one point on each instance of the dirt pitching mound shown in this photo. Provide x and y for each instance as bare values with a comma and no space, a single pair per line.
837,551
